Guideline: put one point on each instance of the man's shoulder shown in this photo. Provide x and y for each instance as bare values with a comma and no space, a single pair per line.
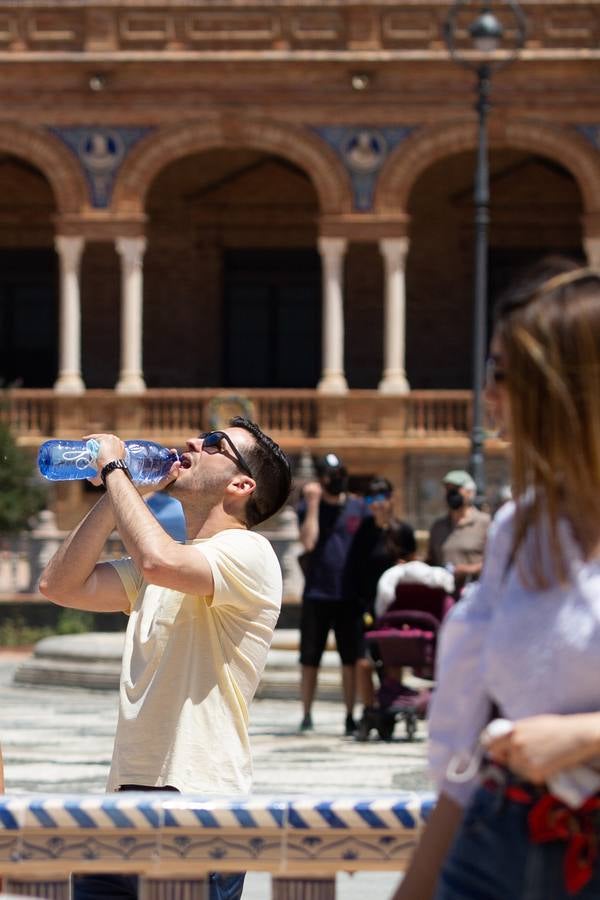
480,517
242,560
237,537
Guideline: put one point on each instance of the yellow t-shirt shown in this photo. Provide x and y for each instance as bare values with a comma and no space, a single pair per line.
191,666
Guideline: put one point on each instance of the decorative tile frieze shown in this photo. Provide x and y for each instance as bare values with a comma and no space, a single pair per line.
135,832
363,150
100,151
591,133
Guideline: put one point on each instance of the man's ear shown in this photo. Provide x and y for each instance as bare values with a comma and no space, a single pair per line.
242,485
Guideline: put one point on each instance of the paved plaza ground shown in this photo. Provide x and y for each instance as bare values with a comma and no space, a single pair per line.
60,739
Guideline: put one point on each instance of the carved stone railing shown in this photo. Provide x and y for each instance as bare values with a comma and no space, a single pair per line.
298,418
169,839
24,555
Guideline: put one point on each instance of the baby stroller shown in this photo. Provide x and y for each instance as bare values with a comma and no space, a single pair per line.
405,635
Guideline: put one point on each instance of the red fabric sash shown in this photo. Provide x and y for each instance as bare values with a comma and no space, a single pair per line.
549,819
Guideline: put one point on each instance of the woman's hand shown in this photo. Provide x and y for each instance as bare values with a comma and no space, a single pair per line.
541,746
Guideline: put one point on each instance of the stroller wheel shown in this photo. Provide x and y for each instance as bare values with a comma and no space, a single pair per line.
362,732
386,727
410,721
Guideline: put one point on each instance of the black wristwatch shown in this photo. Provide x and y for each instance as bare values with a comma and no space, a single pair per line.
111,466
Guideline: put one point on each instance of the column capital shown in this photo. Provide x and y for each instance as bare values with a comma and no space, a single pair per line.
69,249
394,250
131,249
332,247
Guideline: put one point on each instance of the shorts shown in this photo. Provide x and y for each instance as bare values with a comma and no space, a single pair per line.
317,618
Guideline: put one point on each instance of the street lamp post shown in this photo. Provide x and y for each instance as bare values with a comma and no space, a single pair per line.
486,33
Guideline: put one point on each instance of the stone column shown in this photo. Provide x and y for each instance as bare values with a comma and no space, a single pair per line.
69,379
592,250
394,252
131,251
333,380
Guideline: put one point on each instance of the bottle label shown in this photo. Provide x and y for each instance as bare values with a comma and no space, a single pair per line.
83,459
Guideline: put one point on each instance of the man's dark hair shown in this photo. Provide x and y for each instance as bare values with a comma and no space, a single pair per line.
270,469
379,485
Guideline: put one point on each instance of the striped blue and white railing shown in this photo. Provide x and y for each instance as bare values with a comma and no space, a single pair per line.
173,840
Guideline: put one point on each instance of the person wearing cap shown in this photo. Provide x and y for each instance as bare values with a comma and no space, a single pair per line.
457,540
329,518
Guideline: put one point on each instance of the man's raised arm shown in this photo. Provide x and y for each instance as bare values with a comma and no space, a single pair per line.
75,578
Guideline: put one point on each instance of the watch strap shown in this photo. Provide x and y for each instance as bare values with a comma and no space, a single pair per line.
111,466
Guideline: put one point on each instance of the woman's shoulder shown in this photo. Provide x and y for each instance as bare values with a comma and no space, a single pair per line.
503,521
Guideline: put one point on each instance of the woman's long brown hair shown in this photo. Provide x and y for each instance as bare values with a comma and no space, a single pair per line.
550,339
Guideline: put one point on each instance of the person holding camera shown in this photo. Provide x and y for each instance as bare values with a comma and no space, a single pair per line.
329,518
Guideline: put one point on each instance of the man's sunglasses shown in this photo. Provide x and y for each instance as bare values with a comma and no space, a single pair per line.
212,442
377,498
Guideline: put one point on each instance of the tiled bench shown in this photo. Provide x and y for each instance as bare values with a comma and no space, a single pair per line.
173,840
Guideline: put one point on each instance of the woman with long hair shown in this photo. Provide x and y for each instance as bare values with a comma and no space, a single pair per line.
518,815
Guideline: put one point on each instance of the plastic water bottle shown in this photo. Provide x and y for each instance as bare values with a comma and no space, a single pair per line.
147,462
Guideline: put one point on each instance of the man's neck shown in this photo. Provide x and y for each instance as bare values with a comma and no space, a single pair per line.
205,524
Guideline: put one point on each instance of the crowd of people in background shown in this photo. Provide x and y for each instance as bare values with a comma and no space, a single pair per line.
519,805
356,550
514,721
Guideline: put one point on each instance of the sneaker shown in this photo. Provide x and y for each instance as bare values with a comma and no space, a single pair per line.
351,727
307,723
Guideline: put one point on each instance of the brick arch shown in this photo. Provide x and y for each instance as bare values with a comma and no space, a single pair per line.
427,146
53,159
156,151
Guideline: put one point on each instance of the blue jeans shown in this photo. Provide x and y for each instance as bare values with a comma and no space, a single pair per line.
125,887
492,857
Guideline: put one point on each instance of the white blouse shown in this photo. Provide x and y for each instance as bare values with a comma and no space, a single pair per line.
530,651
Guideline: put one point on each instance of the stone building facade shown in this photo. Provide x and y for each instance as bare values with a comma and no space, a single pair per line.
276,195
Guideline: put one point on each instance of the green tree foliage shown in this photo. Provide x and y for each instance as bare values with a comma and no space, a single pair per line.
20,496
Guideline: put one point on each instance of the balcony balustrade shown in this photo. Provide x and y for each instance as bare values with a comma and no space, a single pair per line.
299,419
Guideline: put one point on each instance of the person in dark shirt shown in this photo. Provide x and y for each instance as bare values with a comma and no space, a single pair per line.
329,518
369,553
